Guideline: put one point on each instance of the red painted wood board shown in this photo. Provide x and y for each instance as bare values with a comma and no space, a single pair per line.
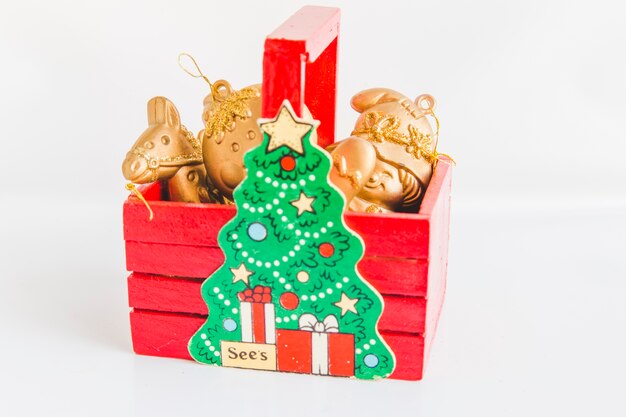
388,275
439,210
167,335
180,295
393,235
300,64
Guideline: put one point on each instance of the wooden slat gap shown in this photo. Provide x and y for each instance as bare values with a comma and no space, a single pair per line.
167,313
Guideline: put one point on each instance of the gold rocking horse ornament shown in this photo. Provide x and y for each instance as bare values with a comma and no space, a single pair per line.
167,151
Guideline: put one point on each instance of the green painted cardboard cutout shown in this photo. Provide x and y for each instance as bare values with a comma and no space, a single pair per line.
288,296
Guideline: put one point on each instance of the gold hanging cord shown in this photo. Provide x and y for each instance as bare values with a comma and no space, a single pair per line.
426,103
199,74
131,187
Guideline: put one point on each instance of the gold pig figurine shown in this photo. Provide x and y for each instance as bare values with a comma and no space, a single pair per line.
387,162
167,151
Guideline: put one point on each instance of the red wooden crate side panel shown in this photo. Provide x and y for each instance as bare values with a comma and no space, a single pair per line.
167,335
438,262
388,275
179,295
438,187
392,235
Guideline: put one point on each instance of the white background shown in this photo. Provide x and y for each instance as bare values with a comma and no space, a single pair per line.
531,100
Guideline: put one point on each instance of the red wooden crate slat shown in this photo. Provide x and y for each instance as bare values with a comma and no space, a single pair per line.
390,276
167,335
179,223
395,235
174,260
180,295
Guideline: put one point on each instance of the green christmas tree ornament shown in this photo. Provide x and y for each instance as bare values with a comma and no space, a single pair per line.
288,296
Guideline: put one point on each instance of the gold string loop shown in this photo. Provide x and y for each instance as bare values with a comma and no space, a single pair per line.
215,88
436,154
200,74
131,187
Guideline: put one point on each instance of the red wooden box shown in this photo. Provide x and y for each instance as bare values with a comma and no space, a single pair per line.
405,254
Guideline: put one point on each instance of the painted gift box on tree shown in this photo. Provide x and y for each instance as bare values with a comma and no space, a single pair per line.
283,292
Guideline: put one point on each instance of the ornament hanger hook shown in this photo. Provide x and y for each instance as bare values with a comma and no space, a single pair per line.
426,103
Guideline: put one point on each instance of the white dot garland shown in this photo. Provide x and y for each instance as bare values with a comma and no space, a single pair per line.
269,207
276,184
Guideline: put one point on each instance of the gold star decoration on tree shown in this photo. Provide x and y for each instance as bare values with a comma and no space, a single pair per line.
286,129
303,204
241,274
347,304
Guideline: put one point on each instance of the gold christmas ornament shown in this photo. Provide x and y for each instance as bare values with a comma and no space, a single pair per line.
387,162
167,151
230,131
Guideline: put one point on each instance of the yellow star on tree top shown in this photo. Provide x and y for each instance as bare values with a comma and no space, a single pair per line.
286,129
347,304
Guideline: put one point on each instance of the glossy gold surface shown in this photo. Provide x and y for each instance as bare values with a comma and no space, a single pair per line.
167,151
387,162
231,130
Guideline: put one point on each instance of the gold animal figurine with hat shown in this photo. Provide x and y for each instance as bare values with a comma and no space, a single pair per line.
387,162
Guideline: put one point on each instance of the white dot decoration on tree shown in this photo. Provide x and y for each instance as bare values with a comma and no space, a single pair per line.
302,276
